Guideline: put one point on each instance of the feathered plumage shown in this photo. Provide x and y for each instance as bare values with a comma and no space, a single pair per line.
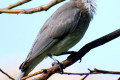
60,32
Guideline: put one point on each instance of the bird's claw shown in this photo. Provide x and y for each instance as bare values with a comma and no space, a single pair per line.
59,65
57,62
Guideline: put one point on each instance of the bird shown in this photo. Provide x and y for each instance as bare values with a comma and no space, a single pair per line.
62,30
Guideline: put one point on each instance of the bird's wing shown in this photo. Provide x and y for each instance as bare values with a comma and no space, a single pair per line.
62,22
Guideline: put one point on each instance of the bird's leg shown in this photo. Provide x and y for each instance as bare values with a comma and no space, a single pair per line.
57,62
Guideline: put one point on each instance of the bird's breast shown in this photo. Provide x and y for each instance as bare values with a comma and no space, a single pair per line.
71,39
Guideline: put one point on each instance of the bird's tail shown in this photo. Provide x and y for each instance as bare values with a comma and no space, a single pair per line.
21,75
24,70
27,66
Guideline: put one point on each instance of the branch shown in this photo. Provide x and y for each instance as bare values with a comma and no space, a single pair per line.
85,77
31,10
6,74
95,71
78,55
105,72
36,73
17,4
98,42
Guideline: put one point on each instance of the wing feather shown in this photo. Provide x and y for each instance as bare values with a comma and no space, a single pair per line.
62,22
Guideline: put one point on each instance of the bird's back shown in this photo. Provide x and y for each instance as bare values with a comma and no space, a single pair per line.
59,33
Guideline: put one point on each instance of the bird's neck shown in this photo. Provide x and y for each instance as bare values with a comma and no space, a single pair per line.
86,6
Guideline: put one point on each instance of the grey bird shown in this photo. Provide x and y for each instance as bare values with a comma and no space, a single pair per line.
61,31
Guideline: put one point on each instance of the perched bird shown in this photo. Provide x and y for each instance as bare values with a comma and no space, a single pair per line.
61,31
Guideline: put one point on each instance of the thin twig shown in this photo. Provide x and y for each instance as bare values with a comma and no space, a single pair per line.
17,4
85,77
105,72
32,10
95,71
81,74
6,74
36,73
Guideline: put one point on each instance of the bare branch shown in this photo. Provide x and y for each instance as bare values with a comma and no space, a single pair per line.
17,4
81,74
85,77
6,74
95,71
31,10
105,72
36,73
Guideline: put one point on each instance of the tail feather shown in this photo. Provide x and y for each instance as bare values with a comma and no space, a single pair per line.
27,66
25,69
21,75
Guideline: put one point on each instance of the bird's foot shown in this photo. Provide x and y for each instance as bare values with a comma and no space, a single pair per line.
58,63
